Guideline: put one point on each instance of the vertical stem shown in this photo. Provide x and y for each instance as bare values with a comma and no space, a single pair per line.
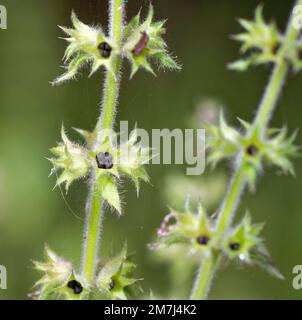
278,77
204,277
94,216
94,210
111,91
210,263
231,201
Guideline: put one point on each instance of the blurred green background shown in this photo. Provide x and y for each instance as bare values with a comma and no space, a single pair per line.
31,114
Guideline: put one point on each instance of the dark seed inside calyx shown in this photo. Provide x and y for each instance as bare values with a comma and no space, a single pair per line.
234,246
111,285
276,48
251,150
104,46
106,54
104,160
203,240
106,49
75,286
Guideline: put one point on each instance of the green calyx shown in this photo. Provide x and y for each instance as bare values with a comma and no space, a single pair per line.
108,162
115,279
191,229
59,280
272,148
144,41
261,42
197,233
71,159
90,46
87,45
241,239
244,244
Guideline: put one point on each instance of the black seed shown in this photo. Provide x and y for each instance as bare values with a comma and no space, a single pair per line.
106,53
104,160
75,286
106,49
253,50
276,48
111,285
251,150
104,46
203,240
234,246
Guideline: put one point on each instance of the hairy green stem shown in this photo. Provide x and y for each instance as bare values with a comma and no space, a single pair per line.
210,263
204,277
111,91
231,200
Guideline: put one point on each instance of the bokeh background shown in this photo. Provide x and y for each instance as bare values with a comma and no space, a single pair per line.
31,114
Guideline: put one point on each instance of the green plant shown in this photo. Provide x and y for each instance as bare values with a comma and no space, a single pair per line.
100,158
251,149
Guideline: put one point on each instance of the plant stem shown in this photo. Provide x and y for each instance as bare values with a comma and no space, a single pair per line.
94,210
111,91
204,277
210,263
231,200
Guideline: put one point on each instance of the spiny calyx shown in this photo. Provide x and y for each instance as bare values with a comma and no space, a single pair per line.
59,279
261,43
87,46
194,230
198,234
115,277
107,162
272,147
143,41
